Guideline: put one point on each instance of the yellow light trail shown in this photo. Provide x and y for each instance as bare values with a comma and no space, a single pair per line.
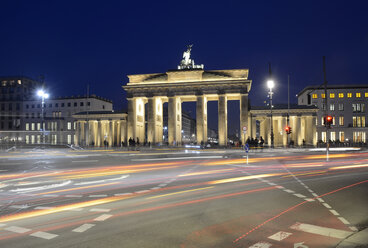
349,167
304,174
205,172
236,179
180,192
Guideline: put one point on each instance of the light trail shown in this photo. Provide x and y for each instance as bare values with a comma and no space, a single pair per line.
77,188
349,167
306,173
179,192
237,179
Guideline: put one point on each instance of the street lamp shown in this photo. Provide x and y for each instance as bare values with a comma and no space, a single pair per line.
41,93
270,85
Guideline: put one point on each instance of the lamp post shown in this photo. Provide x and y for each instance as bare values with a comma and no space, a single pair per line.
270,85
43,95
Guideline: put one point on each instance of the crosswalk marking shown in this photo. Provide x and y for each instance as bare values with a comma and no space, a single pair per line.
334,212
261,245
17,229
99,210
325,231
103,217
280,236
83,228
44,235
326,205
300,195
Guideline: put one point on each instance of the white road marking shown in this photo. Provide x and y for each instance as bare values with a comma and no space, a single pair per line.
103,217
289,191
122,194
142,191
162,184
84,161
152,159
19,206
1,225
310,191
97,195
44,235
50,195
17,229
326,205
320,200
353,228
300,195
41,207
280,187
50,186
273,184
309,199
76,209
261,245
325,231
99,210
343,220
83,228
314,194
334,212
280,236
154,188
101,181
73,196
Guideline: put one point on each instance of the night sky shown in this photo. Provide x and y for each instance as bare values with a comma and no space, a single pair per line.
75,43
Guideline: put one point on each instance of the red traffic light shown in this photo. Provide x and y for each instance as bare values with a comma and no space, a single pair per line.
329,118
288,130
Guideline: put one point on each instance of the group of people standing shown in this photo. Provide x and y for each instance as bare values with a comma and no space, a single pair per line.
255,142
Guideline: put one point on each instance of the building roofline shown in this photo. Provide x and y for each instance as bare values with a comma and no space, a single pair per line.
333,86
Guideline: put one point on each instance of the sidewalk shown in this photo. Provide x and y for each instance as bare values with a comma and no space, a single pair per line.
357,240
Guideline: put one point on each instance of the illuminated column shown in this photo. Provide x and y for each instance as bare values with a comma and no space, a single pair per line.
123,131
82,134
110,133
298,131
174,120
160,121
262,129
243,114
222,120
201,114
136,123
284,134
253,127
314,130
99,133
276,131
155,120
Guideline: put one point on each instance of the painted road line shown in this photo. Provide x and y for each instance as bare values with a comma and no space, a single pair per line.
353,228
105,210
162,185
289,191
300,195
103,217
180,158
334,212
314,194
273,184
19,206
84,161
280,187
326,205
97,195
343,220
122,194
154,188
261,245
83,228
73,196
42,207
325,231
44,235
180,192
17,229
50,195
280,236
310,191
320,200
309,199
1,225
141,191
76,209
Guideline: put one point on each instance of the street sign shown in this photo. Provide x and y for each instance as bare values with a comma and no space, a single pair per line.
244,129
246,148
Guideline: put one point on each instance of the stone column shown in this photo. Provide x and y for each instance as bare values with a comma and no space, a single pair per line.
151,120
76,136
123,132
314,130
136,122
243,114
110,133
174,120
99,134
131,118
284,134
222,120
298,131
201,116
160,121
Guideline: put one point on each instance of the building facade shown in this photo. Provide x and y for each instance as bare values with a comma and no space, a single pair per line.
346,104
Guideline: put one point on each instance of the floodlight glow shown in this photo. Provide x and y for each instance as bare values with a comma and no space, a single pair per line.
270,84
40,93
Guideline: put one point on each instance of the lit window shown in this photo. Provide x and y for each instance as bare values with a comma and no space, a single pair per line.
341,95
341,120
342,136
350,95
19,81
333,136
341,106
314,96
332,95
27,126
366,94
69,126
332,107
358,94
323,95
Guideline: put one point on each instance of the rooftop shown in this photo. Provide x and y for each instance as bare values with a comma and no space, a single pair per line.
283,106
333,86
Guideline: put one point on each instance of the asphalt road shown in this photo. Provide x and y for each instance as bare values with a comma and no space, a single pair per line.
181,198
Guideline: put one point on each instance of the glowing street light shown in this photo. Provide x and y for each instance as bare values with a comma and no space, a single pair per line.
41,93
270,85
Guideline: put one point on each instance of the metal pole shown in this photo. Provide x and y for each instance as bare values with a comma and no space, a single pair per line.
288,113
270,75
326,109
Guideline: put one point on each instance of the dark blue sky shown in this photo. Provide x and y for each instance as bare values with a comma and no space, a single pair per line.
75,43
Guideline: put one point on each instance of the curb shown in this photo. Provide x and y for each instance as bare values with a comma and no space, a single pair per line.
356,240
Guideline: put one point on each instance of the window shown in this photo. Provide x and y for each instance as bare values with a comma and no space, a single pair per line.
88,103
17,106
10,106
342,136
341,121
314,96
341,106
75,125
333,120
33,126
56,105
358,137
50,105
350,95
38,105
341,95
323,136
366,94
81,104
62,105
69,126
323,106
103,106
75,104
69,139
358,94
69,104
27,106
2,106
333,136
27,115
38,126
27,126
358,121
323,95
27,139
332,107
332,95
358,107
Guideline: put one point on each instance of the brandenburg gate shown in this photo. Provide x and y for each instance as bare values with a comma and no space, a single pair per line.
188,83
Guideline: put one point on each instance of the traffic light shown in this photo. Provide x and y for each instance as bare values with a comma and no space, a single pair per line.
288,130
328,121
